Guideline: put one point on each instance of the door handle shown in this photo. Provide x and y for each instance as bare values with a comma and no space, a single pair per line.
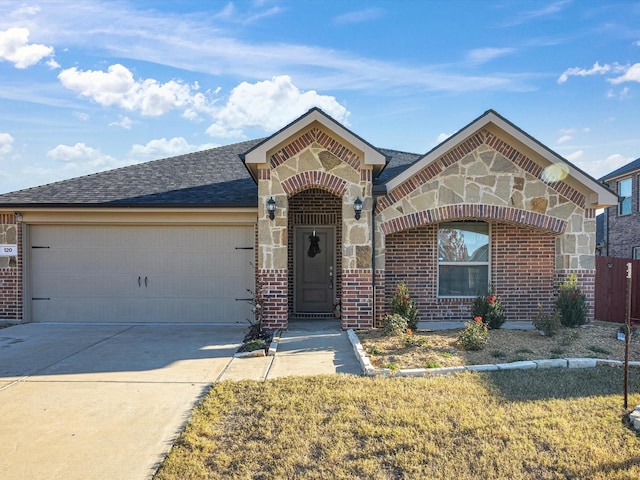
139,282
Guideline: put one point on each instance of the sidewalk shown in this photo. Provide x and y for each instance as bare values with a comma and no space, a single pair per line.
306,348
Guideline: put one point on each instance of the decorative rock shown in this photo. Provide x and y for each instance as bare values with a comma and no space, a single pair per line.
411,372
524,365
445,370
582,362
609,363
255,353
552,363
482,368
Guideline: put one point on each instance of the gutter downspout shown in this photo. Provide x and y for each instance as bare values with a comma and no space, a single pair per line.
376,190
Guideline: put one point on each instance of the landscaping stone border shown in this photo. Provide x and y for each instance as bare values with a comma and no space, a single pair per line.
370,371
270,352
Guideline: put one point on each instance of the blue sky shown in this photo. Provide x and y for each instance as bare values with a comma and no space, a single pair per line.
88,85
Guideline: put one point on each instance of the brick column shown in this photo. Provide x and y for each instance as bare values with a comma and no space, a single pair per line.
273,290
11,270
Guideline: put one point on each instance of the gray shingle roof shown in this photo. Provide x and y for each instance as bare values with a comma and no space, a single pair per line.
628,168
209,178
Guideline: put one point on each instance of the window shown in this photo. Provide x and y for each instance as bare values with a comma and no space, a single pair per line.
624,192
635,253
463,259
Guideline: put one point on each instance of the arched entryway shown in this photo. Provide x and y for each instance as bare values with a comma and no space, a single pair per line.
314,239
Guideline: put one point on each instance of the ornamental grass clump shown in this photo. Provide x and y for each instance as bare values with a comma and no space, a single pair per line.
402,304
572,303
474,336
488,308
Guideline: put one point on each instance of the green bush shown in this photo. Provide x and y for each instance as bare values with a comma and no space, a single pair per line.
474,336
572,303
488,307
402,304
547,323
395,324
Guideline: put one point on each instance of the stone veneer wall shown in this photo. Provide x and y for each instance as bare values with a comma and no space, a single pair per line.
11,270
521,270
485,178
314,159
624,231
315,207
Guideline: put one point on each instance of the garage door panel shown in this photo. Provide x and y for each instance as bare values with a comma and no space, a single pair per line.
187,274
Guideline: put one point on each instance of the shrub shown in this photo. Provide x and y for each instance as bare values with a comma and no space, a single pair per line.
474,336
547,323
402,304
488,308
395,324
572,303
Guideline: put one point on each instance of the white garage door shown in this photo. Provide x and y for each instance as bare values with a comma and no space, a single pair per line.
141,273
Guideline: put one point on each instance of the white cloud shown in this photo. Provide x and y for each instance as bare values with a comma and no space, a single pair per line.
124,122
564,139
117,87
80,158
359,16
600,168
442,137
574,156
597,69
632,74
269,105
161,147
81,116
483,55
14,48
6,144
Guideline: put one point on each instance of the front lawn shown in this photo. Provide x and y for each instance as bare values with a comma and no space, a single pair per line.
534,424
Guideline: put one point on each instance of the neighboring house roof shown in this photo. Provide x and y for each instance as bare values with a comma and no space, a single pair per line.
209,178
625,169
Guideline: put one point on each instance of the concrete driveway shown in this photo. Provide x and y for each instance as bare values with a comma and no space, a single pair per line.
101,401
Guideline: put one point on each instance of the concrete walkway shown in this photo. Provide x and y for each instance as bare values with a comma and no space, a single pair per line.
306,348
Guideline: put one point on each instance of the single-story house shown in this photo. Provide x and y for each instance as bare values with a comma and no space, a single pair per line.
314,218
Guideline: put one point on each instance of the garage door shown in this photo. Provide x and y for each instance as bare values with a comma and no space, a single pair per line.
141,274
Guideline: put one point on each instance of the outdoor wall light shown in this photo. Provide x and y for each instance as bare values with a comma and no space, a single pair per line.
271,208
357,207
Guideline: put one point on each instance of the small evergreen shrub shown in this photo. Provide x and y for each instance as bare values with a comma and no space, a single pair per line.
547,323
488,308
395,324
474,336
402,304
572,303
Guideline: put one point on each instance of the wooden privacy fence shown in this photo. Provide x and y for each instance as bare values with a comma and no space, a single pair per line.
611,288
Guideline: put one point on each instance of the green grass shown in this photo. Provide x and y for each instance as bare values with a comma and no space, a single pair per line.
432,364
534,424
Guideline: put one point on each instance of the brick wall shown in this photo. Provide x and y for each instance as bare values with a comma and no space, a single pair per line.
315,207
522,270
273,290
624,232
11,270
357,299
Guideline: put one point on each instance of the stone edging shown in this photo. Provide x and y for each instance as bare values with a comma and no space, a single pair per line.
271,351
369,370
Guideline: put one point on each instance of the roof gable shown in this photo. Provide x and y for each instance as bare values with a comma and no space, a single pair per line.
488,128
624,170
315,125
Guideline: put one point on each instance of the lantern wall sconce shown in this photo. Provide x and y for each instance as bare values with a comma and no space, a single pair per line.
271,208
357,208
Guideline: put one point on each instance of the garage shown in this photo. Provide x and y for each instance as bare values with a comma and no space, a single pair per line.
110,273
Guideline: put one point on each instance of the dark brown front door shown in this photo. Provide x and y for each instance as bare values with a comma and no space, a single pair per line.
314,266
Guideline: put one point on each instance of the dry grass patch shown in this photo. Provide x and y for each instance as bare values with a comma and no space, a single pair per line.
553,424
428,349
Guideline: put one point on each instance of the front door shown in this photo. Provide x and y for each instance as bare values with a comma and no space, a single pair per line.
314,269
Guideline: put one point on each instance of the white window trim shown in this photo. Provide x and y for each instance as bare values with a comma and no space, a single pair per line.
471,264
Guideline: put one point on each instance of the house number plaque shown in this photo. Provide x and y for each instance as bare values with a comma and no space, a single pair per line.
8,250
